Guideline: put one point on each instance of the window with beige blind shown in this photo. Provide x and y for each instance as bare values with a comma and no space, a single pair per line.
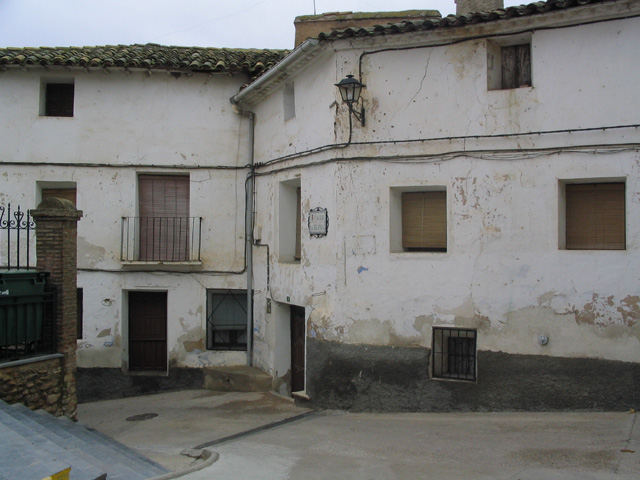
595,216
424,221
164,222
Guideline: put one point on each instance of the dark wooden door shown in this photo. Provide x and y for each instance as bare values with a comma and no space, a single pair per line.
148,331
297,348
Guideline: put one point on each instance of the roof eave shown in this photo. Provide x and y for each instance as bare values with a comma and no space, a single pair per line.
276,75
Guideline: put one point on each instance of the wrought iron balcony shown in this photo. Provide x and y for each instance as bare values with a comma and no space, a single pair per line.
161,239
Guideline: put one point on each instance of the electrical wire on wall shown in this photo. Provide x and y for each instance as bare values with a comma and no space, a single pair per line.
364,54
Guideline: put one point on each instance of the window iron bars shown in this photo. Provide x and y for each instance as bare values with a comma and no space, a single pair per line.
454,353
226,336
14,227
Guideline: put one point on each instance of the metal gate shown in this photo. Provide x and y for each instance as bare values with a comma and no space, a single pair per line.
27,303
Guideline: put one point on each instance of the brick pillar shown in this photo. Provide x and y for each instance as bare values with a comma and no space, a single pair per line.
56,247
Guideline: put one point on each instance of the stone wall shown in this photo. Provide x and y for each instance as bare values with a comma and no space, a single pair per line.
36,384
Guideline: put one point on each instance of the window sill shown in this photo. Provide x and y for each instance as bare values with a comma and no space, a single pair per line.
224,349
161,265
451,379
147,373
522,88
419,252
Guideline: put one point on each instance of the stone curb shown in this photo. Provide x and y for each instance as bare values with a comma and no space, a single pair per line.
208,457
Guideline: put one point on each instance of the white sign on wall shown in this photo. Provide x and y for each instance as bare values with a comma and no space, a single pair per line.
318,222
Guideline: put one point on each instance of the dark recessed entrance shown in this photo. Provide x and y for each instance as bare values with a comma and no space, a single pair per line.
148,331
297,348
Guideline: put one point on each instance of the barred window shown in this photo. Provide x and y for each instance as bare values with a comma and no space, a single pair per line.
454,353
59,100
227,320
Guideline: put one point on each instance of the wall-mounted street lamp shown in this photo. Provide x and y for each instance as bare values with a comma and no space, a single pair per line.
350,89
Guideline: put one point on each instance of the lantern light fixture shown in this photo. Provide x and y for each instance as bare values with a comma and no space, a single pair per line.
350,90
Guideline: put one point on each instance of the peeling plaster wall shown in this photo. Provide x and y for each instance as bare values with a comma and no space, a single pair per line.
105,336
136,124
275,136
504,272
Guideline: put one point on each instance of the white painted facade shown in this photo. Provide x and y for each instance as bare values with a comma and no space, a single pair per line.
502,156
125,125
433,124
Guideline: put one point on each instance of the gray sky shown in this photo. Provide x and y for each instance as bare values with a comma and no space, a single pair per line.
203,23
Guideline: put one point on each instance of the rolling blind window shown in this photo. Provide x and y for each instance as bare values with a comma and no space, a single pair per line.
424,221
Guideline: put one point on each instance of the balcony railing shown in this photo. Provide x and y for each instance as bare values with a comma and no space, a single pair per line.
161,239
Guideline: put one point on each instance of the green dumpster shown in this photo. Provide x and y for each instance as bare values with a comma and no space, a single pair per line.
21,306
22,282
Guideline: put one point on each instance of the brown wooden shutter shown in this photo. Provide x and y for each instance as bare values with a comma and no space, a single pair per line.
298,252
65,193
516,66
164,217
424,221
595,216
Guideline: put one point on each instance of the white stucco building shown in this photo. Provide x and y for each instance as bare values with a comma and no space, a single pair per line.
481,247
148,148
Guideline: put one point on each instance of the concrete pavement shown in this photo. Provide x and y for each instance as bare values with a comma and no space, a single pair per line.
321,445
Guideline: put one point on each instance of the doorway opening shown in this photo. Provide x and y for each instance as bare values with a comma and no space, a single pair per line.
298,348
148,331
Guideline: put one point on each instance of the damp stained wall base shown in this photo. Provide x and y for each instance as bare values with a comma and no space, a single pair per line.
94,384
388,378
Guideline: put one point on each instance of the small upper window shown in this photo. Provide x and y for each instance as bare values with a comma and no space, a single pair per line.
516,66
508,66
289,102
58,101
595,216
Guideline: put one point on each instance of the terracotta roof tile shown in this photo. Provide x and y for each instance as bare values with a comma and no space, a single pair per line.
452,21
149,56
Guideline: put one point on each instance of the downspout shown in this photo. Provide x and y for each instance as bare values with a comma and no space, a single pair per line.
248,218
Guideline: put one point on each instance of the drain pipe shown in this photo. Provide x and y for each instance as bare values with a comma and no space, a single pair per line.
248,218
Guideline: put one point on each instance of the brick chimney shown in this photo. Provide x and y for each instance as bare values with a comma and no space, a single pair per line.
309,26
472,6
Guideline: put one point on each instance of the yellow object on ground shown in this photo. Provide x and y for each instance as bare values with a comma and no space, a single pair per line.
63,475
